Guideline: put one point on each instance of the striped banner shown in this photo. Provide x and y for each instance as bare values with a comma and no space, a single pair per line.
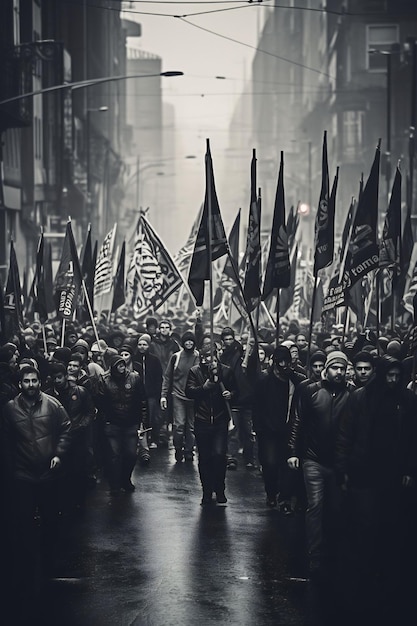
104,266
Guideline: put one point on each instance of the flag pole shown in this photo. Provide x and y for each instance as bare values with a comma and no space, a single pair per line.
90,310
210,238
310,332
277,319
346,325
378,308
44,339
63,332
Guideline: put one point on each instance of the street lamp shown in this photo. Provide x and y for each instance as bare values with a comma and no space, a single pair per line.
88,170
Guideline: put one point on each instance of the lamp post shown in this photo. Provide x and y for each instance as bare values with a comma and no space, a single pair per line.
88,163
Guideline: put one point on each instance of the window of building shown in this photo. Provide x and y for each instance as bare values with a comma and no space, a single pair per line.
352,133
379,39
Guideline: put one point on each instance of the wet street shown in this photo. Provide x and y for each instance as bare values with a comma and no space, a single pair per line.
157,558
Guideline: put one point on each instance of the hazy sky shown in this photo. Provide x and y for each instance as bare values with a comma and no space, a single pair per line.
203,104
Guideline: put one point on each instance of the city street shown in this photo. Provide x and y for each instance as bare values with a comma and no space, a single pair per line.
157,558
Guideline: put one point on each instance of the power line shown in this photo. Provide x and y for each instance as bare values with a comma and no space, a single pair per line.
247,45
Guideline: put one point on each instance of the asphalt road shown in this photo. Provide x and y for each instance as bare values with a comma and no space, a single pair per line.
157,558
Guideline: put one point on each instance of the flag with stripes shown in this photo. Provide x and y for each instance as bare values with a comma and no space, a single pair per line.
152,275
103,278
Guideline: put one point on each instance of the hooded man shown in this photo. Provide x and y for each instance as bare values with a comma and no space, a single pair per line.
122,403
211,385
312,439
376,460
271,412
173,387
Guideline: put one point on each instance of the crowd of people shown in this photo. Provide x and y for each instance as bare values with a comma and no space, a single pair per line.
331,427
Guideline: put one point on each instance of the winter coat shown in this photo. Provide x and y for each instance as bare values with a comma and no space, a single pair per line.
396,453
272,404
149,368
176,373
122,400
163,350
314,427
232,356
32,436
77,403
209,404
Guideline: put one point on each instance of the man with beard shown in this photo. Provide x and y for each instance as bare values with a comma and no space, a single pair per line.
376,459
271,411
312,439
211,385
36,438
121,401
80,408
173,386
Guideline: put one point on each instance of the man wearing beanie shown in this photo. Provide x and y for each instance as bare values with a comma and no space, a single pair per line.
122,404
8,374
312,440
173,390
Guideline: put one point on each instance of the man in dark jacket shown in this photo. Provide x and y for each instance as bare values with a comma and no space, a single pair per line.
149,369
212,386
312,438
376,459
121,401
80,408
272,404
241,433
36,439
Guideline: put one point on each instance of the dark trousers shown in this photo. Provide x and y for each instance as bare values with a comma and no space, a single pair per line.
241,435
275,472
33,517
211,442
323,509
155,420
183,431
121,454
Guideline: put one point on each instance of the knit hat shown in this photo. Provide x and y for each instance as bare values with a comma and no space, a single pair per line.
227,331
126,347
56,367
51,341
6,353
80,343
318,357
63,355
281,353
187,336
337,356
151,321
145,337
114,360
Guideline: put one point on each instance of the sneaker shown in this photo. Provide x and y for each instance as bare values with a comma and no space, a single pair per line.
271,503
232,465
250,466
221,499
179,455
153,446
